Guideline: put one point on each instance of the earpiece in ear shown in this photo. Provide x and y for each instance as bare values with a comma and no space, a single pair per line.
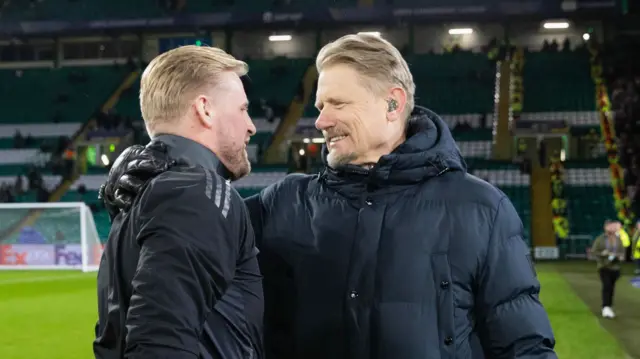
393,105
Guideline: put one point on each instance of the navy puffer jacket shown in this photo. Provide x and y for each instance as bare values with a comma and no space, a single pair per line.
413,259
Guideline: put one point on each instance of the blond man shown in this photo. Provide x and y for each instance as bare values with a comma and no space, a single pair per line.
179,277
394,250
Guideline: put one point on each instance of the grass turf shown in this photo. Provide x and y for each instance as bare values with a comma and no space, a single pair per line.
47,315
626,327
51,315
577,326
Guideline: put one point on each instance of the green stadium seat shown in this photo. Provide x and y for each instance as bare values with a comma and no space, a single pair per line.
557,82
8,143
585,119
589,207
483,134
276,80
454,83
589,196
475,149
587,164
17,95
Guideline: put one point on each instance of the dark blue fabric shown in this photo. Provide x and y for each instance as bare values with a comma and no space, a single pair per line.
413,259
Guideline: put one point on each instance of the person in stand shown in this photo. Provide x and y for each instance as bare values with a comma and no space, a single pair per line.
609,252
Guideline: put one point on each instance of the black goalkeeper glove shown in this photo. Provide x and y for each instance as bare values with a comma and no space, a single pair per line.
130,173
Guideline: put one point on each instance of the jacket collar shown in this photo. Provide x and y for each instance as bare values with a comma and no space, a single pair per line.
429,151
192,153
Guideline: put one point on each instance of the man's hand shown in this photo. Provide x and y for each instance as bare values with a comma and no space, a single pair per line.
130,172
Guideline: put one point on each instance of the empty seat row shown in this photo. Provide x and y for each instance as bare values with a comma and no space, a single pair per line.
558,82
70,94
572,118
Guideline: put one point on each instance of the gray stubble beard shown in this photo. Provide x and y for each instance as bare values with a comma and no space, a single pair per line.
335,161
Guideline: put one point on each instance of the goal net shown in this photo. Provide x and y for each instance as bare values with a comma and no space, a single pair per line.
48,236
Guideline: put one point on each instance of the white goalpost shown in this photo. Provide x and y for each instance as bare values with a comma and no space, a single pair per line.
48,236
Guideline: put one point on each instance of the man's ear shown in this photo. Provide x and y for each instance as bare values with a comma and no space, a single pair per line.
396,103
204,111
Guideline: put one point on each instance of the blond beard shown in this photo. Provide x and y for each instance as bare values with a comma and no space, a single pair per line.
237,163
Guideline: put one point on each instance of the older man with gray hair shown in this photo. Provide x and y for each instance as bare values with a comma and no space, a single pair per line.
393,251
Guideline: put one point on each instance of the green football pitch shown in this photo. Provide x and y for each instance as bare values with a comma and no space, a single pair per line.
51,315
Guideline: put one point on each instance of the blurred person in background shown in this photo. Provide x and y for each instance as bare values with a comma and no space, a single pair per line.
393,251
636,248
609,251
624,238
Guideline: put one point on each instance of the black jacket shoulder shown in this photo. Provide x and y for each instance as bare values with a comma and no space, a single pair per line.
206,188
187,194
290,186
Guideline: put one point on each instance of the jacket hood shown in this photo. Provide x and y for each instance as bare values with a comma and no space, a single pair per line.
429,151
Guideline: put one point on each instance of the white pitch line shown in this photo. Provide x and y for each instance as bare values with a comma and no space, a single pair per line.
41,279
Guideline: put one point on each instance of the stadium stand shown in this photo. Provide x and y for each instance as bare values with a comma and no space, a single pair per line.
623,75
565,87
122,9
62,94
567,92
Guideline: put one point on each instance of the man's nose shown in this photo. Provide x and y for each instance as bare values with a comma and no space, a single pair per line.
324,122
252,128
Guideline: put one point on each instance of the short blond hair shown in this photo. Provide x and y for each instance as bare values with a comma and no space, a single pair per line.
376,59
174,77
